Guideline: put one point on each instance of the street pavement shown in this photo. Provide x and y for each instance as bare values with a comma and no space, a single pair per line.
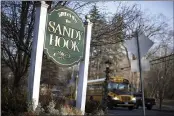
139,112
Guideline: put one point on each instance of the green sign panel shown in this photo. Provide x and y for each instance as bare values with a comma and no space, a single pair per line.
65,36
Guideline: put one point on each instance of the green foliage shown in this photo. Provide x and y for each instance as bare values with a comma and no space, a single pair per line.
56,102
17,105
106,42
98,24
44,100
95,14
93,107
13,102
39,110
52,110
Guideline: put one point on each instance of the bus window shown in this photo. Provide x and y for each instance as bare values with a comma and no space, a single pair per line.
118,86
112,85
95,88
123,86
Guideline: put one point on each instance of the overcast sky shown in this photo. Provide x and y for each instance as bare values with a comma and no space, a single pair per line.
150,7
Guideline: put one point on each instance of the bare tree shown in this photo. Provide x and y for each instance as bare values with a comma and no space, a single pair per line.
108,36
17,27
160,78
17,33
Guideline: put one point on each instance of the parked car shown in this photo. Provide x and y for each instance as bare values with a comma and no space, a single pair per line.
149,102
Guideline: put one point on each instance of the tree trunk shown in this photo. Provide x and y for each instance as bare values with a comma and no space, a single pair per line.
16,81
160,103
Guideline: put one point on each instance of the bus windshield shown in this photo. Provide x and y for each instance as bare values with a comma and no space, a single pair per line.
118,86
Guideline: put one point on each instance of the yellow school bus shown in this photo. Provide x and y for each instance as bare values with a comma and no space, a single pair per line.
119,94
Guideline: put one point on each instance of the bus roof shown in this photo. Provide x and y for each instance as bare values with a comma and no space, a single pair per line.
96,80
112,79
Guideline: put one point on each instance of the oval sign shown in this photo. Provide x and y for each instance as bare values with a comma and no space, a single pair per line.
64,36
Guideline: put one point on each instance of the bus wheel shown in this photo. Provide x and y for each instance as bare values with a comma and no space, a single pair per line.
130,107
137,106
110,106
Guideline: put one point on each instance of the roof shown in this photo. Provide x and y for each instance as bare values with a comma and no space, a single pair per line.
113,79
96,80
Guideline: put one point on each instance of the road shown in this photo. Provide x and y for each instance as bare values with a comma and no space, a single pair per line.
139,112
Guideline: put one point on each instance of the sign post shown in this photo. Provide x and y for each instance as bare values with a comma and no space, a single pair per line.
142,82
139,46
62,33
36,54
83,70
65,39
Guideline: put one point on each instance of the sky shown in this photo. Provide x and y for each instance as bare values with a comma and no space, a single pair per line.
150,7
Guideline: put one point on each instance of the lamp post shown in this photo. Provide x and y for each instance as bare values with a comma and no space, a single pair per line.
107,71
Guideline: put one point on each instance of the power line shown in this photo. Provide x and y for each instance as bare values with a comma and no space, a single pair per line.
162,59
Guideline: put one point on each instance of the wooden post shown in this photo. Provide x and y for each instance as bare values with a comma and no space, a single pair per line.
83,70
36,54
